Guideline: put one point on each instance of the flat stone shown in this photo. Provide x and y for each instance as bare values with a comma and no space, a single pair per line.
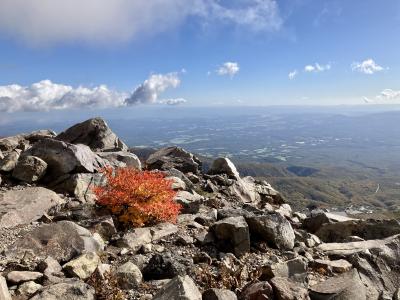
17,277
163,230
338,266
21,207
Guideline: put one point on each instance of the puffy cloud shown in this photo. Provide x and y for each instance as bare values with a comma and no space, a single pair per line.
387,96
317,68
150,89
55,21
46,95
368,66
292,74
228,68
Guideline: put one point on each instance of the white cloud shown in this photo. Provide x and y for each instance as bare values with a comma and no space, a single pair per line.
46,95
150,89
387,96
368,66
317,68
292,74
228,68
93,21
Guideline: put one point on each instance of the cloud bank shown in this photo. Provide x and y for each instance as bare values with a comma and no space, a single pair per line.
46,95
93,21
228,68
368,66
387,96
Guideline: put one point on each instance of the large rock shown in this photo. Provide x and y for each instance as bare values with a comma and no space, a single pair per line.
274,229
8,144
94,133
18,207
179,288
8,163
190,201
294,269
63,158
135,239
122,159
347,286
38,135
83,266
366,229
219,294
233,234
286,289
17,277
224,165
257,291
128,276
71,290
4,293
63,241
318,218
163,266
174,157
29,169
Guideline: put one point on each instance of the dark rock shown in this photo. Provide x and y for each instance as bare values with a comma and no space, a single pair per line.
233,233
94,133
274,229
162,267
257,291
174,157
286,289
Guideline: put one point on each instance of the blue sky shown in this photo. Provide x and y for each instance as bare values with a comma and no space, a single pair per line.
197,52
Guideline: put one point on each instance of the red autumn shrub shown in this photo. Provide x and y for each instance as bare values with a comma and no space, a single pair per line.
138,197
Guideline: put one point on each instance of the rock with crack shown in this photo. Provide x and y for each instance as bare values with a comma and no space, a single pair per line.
21,207
63,241
63,158
233,234
94,133
343,287
128,276
318,218
179,288
287,289
70,290
29,169
274,229
121,159
174,157
83,266
224,165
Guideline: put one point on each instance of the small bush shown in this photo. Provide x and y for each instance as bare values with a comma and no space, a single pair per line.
137,197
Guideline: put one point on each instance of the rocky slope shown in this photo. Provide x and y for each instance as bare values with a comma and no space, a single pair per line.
235,238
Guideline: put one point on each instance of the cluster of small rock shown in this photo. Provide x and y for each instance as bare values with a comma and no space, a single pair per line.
235,238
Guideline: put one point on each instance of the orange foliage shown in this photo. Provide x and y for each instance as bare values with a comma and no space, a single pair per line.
138,197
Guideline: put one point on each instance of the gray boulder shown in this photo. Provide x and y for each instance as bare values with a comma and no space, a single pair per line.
366,229
224,165
318,218
83,266
29,169
21,207
63,241
190,201
122,159
17,277
135,239
63,158
287,289
174,157
257,291
179,288
128,276
347,286
94,133
295,269
38,135
71,290
8,144
8,163
274,229
233,234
